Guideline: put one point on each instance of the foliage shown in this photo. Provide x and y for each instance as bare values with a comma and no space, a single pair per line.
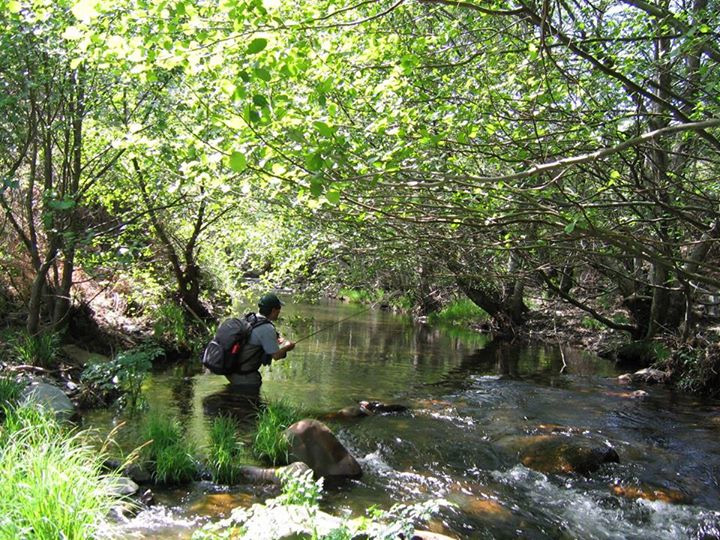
122,378
592,324
300,488
405,147
360,296
37,350
9,390
52,480
270,443
168,454
462,312
697,368
400,520
226,452
173,325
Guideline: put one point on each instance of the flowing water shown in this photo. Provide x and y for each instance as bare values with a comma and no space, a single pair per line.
477,412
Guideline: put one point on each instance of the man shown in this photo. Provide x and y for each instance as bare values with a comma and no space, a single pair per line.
263,346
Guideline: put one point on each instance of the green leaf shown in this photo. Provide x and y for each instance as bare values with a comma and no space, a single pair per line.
65,204
13,6
257,45
570,227
238,162
84,10
315,161
263,74
260,100
333,197
316,186
323,128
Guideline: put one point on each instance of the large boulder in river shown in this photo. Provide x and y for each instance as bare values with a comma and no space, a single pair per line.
315,445
559,454
50,398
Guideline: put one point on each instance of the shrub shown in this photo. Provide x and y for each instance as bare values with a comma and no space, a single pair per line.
171,326
51,479
226,450
300,488
168,454
270,444
37,350
697,369
122,378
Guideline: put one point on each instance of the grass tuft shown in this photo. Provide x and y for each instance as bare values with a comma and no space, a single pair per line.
37,350
52,480
462,311
226,450
270,444
169,455
9,391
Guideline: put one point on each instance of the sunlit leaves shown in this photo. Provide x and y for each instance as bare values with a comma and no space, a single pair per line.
85,10
238,162
257,45
262,74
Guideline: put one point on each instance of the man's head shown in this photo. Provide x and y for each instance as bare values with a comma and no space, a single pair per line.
270,305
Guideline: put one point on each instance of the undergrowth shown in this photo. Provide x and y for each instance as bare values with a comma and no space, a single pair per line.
271,444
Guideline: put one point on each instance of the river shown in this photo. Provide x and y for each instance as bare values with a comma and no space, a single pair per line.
474,408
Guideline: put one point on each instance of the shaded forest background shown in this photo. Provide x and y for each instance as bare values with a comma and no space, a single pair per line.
522,154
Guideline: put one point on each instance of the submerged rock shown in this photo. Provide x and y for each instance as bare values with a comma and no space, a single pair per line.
365,408
649,493
645,376
315,445
262,475
559,454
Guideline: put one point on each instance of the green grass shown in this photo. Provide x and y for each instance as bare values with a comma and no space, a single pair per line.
360,296
9,390
51,479
38,350
168,454
462,311
270,444
226,452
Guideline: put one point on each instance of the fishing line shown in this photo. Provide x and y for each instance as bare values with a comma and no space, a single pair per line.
335,323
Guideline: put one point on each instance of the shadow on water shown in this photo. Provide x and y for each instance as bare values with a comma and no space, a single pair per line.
241,403
476,412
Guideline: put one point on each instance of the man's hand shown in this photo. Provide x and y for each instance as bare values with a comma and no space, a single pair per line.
285,346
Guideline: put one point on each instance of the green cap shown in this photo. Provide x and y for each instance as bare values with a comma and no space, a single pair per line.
270,300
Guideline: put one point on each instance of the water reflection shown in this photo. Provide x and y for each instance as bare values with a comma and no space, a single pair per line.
474,407
240,402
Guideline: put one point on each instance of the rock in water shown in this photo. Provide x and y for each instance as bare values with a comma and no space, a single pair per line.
315,445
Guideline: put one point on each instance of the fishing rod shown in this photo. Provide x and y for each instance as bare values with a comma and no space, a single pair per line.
335,323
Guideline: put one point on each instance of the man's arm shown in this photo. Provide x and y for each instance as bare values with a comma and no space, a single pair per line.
285,346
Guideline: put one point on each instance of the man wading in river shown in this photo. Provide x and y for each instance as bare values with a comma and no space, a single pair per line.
263,346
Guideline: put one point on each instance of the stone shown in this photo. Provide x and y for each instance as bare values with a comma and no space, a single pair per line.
122,486
649,493
315,445
49,397
560,454
427,535
651,376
